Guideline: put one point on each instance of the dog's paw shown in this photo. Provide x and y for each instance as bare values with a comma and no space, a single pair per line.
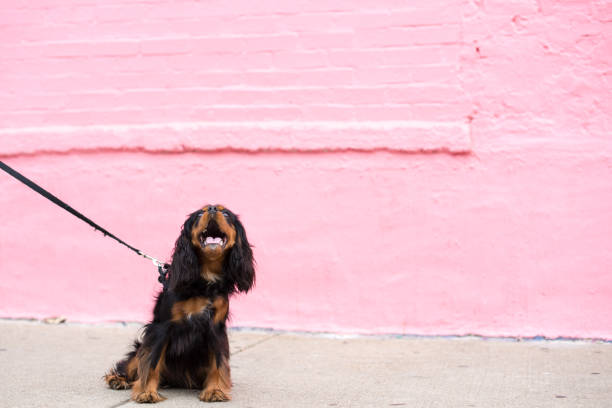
215,395
148,397
116,382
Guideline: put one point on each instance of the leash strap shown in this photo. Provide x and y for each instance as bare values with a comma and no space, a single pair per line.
162,267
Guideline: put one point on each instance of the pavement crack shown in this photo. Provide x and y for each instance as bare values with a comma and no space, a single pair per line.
120,403
257,343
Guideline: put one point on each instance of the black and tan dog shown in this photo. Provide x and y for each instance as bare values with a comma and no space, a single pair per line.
186,344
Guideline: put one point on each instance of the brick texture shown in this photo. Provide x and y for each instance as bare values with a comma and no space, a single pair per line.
131,62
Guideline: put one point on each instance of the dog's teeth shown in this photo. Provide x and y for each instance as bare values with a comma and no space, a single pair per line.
213,240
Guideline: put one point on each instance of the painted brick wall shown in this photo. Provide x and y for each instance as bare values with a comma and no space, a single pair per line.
203,65
410,167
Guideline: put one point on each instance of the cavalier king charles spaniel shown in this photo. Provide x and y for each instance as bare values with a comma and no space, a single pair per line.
186,344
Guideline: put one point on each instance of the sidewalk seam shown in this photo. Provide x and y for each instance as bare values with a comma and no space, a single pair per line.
257,343
120,403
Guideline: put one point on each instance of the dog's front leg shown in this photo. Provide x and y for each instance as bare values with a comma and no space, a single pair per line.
218,384
149,375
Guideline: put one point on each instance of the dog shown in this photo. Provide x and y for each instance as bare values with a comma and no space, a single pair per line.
186,344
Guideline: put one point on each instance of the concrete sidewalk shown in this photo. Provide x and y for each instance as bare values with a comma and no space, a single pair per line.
62,366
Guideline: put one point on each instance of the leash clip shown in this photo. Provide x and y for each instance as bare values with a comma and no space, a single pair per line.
162,268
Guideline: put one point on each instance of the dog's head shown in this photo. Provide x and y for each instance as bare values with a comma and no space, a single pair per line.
213,246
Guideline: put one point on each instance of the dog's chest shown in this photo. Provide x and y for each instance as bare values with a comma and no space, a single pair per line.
186,309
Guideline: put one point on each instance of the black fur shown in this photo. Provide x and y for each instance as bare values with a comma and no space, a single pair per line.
187,345
239,263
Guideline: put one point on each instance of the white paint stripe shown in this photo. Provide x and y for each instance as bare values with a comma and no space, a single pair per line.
263,125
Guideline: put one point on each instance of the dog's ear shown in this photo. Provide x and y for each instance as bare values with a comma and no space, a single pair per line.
239,264
185,265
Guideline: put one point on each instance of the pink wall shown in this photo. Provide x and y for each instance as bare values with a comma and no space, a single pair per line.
436,167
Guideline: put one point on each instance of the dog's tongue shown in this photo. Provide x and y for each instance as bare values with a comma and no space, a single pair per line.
213,240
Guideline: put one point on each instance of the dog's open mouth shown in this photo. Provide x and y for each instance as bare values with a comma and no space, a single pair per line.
212,235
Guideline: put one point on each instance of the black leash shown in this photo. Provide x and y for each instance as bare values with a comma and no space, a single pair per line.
162,268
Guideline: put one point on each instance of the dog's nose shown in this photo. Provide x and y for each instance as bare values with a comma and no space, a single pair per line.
211,211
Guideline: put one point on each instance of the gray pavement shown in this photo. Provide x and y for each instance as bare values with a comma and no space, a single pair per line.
62,366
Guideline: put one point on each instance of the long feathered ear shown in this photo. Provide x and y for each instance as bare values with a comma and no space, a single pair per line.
239,263
185,265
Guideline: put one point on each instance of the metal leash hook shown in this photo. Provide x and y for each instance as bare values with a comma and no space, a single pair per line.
163,274
162,268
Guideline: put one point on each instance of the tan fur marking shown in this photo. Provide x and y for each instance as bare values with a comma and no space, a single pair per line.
227,229
198,228
211,271
132,368
186,308
218,383
145,387
221,306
